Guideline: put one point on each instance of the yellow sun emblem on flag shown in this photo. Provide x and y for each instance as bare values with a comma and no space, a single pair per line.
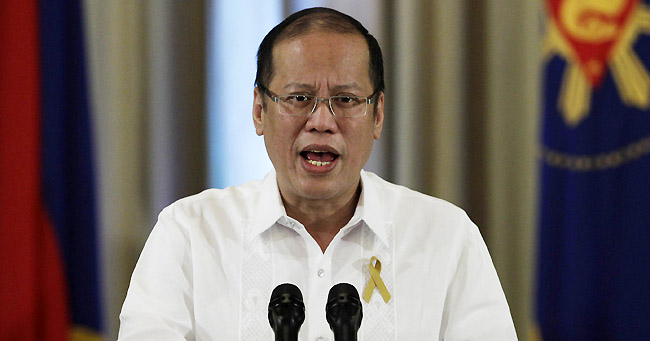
592,35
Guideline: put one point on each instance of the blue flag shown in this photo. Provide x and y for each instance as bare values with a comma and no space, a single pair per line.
594,239
67,156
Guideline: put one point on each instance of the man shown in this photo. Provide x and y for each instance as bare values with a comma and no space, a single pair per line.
213,259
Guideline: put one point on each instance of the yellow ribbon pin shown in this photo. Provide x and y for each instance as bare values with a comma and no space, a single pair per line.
375,281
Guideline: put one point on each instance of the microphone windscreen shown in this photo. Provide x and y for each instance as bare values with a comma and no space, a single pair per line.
344,312
286,312
286,289
343,290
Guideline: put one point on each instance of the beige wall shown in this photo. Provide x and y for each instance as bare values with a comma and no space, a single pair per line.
462,119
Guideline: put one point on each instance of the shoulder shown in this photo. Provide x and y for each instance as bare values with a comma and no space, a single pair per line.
401,200
233,201
418,218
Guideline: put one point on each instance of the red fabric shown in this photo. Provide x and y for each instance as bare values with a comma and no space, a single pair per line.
595,50
33,294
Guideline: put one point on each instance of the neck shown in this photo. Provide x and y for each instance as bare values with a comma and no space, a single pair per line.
323,218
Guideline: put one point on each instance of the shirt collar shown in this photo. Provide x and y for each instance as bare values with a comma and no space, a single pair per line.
269,208
371,208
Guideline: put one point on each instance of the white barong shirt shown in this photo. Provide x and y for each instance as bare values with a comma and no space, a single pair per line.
212,260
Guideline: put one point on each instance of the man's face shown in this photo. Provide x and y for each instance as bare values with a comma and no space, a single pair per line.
321,64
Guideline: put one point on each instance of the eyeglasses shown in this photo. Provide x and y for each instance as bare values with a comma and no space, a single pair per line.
304,105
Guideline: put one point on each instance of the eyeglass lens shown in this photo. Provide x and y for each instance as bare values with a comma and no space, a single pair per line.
346,106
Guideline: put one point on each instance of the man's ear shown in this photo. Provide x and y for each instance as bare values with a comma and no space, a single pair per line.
379,115
258,111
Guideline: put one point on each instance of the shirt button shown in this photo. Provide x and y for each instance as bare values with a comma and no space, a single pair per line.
291,224
321,273
320,338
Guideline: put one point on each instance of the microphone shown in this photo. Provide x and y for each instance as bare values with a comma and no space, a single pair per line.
343,312
286,312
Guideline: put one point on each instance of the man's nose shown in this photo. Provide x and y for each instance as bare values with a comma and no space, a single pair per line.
322,119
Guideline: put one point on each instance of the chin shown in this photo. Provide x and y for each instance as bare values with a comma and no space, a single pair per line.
317,190
317,193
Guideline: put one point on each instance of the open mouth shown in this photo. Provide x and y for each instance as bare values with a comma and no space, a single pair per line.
319,158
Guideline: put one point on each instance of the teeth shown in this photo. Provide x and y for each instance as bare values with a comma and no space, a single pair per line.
319,163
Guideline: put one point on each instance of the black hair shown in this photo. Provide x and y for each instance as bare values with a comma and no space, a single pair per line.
317,19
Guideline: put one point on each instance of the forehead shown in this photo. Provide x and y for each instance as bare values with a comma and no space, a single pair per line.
312,57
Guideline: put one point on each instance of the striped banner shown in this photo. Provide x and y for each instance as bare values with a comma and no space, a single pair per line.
49,249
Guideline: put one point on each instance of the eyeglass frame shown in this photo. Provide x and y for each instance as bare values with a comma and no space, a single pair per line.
276,98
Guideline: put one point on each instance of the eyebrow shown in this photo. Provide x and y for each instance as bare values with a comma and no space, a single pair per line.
309,87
